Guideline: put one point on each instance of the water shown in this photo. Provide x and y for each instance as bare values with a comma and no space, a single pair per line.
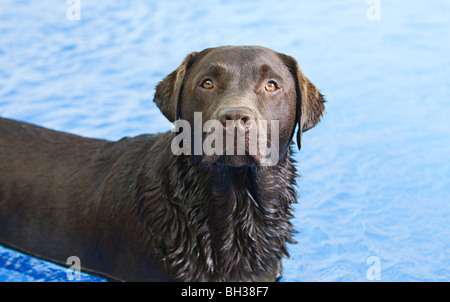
375,173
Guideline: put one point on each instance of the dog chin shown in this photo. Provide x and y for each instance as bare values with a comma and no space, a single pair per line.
231,160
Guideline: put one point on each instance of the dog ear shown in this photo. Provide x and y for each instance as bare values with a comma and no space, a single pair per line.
168,91
310,102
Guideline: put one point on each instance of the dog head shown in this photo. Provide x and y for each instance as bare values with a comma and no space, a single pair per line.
248,91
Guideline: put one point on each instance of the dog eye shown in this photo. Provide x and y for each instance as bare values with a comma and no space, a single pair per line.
271,86
207,84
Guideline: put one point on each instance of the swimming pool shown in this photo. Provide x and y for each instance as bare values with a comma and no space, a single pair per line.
375,173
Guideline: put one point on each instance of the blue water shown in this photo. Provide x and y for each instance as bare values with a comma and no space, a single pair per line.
375,173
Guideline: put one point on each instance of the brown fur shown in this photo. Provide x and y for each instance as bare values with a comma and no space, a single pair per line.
131,210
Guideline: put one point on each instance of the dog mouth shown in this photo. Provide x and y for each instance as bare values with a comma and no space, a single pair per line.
237,160
241,153
233,146
232,160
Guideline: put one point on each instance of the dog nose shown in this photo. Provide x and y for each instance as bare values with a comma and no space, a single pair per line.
243,116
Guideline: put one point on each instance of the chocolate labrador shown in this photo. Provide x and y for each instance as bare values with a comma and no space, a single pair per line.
136,209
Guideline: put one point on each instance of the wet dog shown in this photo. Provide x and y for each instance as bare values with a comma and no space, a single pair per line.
133,210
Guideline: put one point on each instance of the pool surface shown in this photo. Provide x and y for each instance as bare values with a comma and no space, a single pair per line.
374,191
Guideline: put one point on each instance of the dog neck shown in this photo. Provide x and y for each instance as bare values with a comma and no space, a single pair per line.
220,223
